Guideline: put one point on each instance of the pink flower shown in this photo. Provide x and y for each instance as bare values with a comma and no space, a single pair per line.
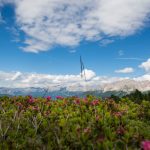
77,101
120,130
35,108
95,102
87,130
59,97
48,98
30,101
145,145
118,114
30,96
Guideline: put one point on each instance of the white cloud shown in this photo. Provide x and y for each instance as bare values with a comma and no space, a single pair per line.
121,52
89,74
105,42
125,70
72,82
129,58
72,51
146,65
47,23
145,77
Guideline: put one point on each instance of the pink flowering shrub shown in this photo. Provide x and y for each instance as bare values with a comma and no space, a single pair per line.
73,123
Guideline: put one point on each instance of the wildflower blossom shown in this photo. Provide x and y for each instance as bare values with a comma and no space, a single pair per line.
59,97
31,101
48,98
120,130
87,130
95,102
145,145
35,108
117,114
30,96
77,101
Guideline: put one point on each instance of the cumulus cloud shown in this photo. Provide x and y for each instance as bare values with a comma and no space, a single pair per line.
146,65
89,74
47,23
125,70
71,82
145,77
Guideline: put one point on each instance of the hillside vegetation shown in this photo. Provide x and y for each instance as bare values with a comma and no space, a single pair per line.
74,123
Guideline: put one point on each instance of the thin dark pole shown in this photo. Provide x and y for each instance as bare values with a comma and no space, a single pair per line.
82,69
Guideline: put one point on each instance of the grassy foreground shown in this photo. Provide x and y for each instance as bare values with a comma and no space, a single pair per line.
73,123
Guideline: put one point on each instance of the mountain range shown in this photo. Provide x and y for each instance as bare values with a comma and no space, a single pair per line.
118,88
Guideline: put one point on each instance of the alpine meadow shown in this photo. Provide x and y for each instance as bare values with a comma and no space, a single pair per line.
74,75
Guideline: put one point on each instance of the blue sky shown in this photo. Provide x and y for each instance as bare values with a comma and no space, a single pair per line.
37,41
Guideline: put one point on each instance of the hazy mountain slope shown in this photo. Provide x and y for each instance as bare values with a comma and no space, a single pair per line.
118,88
